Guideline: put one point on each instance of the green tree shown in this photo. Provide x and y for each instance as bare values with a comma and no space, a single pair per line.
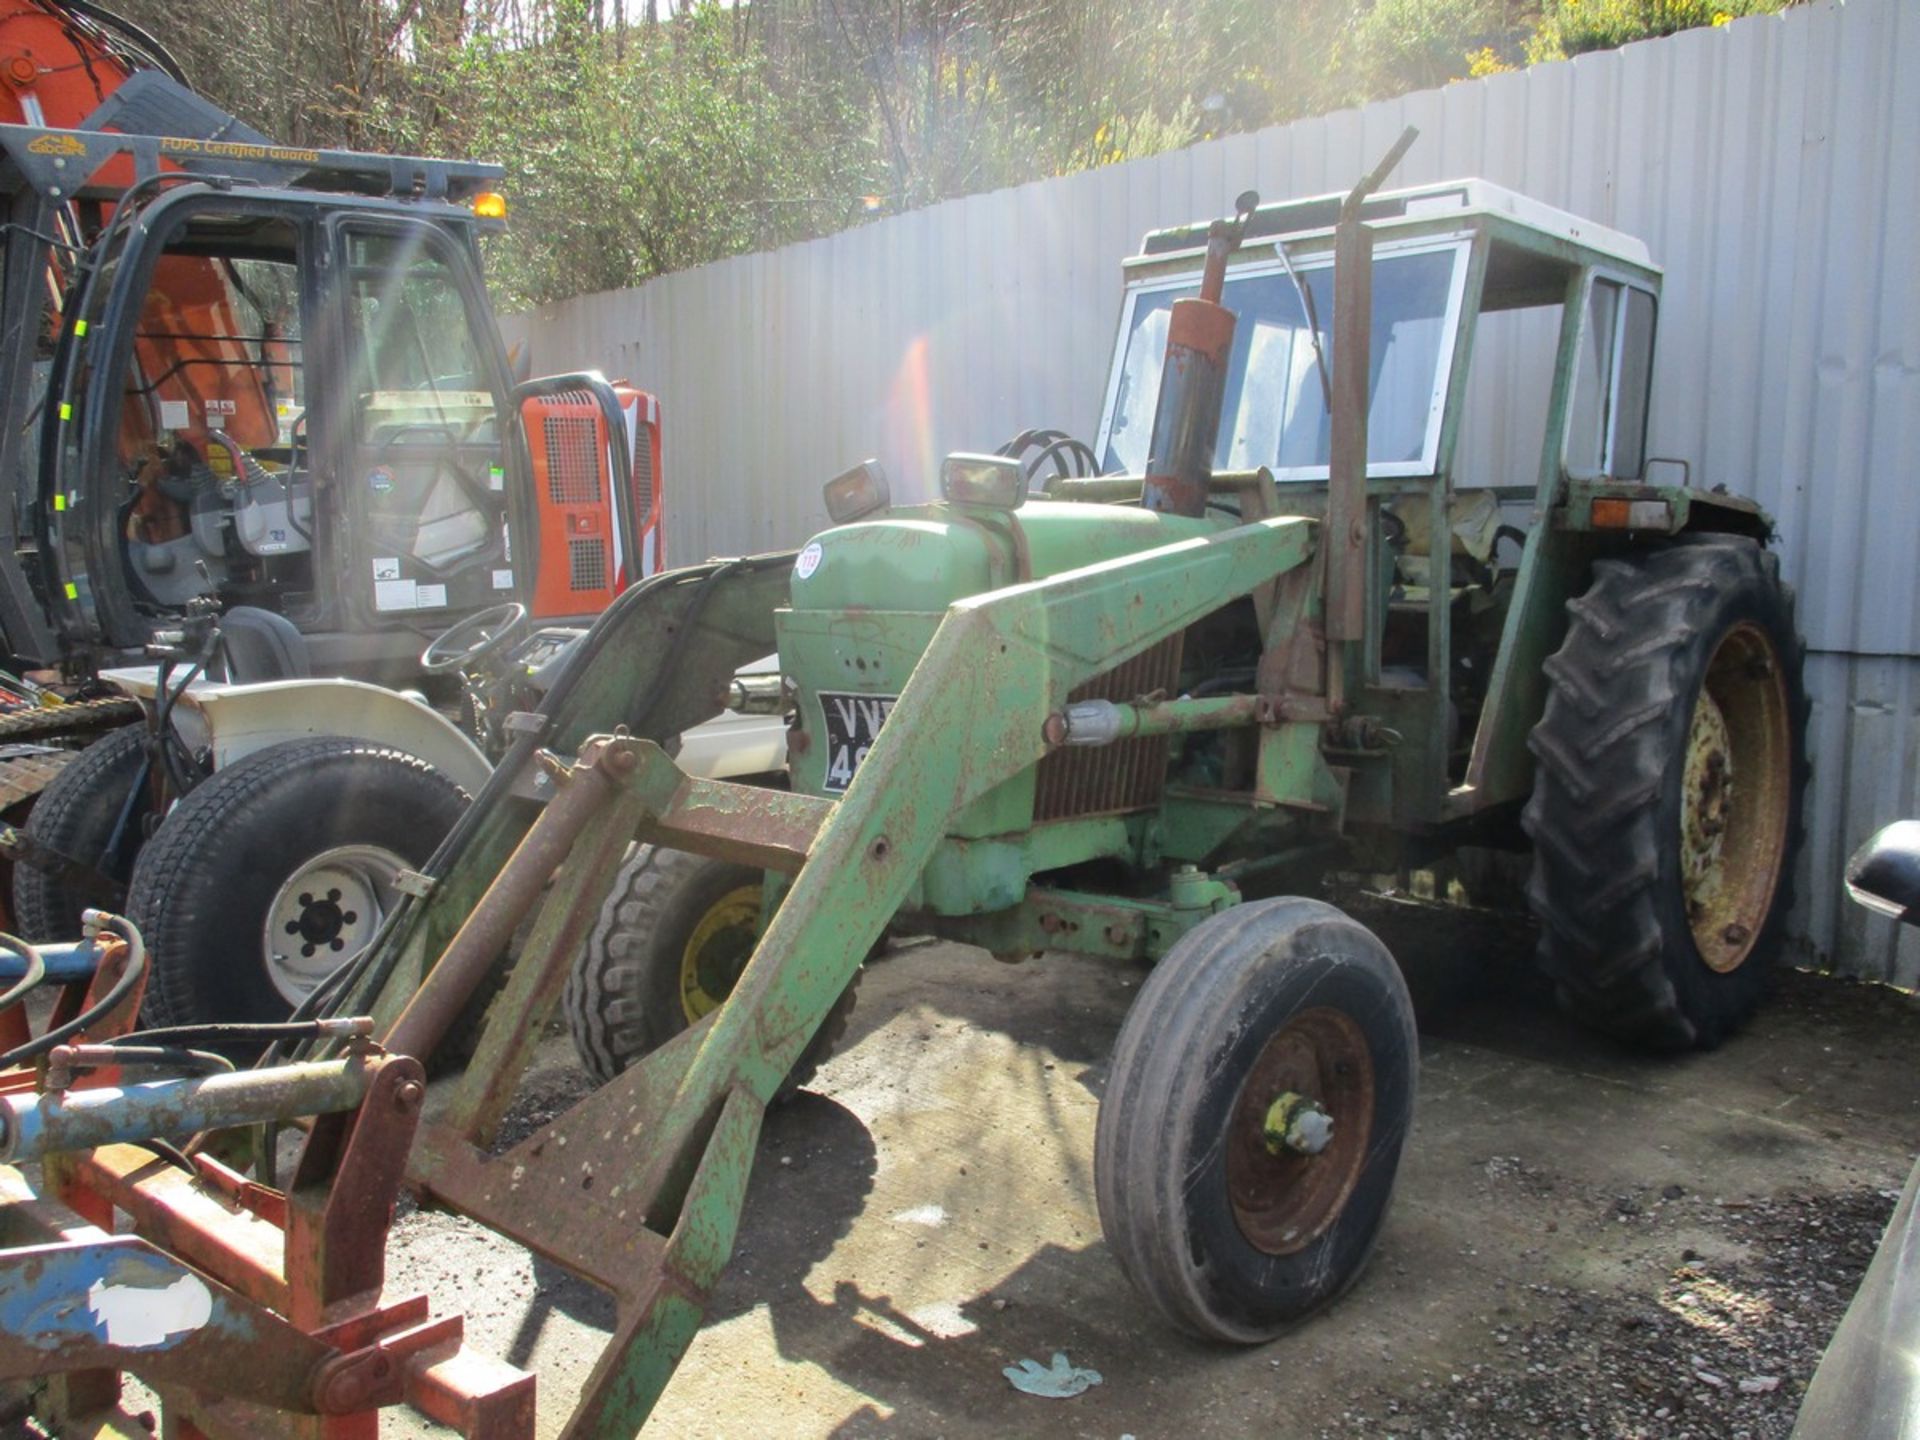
642,136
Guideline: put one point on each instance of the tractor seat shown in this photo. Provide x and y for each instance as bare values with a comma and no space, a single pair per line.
260,645
1473,520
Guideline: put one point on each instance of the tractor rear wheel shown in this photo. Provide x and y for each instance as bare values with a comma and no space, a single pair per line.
1671,765
1261,1092
672,938
76,817
276,871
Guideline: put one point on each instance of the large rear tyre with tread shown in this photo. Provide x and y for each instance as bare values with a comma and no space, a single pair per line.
76,816
1671,766
277,870
672,938
1262,1090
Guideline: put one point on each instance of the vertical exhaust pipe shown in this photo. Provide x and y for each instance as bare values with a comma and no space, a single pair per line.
1193,380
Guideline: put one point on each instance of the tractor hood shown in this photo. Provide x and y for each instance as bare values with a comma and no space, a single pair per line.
867,598
924,557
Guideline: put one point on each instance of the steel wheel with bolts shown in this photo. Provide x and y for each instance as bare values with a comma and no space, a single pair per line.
326,913
1261,1093
277,870
1666,810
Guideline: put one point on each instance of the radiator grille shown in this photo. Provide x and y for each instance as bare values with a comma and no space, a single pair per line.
1127,775
573,461
642,474
587,562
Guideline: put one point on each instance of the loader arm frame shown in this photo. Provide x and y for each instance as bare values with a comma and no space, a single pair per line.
654,1165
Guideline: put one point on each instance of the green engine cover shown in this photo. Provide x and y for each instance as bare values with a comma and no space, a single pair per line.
924,557
868,596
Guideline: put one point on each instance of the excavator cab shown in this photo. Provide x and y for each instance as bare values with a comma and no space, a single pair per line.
270,377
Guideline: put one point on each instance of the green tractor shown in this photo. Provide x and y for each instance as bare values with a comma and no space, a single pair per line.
1270,624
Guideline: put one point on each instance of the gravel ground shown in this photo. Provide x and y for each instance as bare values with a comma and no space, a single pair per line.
1690,1301
1719,1350
1583,1242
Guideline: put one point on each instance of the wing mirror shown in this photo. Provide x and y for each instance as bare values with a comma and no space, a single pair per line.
1884,873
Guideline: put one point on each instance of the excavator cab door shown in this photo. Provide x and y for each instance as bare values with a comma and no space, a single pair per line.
425,432
174,466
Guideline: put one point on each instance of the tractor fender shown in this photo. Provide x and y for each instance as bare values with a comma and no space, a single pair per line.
234,721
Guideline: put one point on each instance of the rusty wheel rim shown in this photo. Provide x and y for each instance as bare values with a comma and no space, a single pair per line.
1284,1202
717,951
1735,797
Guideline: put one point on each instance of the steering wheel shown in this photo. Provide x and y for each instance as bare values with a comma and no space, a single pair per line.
473,638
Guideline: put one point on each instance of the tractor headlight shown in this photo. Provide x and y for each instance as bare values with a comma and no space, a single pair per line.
861,491
995,480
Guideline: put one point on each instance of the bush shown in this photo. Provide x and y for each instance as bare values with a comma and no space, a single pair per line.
1575,27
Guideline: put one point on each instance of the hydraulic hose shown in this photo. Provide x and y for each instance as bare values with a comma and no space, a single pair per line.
136,967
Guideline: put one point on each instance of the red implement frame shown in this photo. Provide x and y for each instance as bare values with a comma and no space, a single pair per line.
302,1340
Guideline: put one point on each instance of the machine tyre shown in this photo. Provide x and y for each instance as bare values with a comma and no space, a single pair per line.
235,851
1228,1240
1671,767
637,984
75,816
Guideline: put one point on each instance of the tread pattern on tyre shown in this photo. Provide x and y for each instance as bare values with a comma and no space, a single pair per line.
165,910
605,994
1603,753
71,816
1148,1108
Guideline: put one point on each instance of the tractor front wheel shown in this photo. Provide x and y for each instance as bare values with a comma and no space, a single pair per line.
672,938
1666,810
1262,1090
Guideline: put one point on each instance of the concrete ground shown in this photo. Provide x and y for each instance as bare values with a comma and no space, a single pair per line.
1582,1240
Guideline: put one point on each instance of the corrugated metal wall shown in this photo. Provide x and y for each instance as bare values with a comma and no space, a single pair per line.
1770,165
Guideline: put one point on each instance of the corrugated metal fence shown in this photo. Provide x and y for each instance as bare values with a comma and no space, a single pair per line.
1769,164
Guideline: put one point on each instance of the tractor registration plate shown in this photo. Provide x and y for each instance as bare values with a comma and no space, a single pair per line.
853,724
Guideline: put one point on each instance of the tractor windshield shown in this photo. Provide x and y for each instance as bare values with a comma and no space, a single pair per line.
1275,411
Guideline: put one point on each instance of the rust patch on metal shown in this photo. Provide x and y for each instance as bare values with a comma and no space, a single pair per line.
1283,1202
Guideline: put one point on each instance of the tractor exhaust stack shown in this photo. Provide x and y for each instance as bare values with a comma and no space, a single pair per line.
1193,380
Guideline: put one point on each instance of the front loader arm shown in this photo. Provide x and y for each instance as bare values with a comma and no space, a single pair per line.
640,1186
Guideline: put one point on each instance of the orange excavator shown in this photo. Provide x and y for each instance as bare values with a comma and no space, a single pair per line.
240,374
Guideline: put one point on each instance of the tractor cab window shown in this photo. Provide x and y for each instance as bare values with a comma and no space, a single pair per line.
427,476
1275,410
1607,413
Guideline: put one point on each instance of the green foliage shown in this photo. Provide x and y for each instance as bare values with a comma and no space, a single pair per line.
641,136
1574,27
671,150
1399,45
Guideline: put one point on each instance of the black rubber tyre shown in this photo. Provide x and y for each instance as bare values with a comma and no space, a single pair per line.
75,816
624,998
1227,1240
1671,766
205,883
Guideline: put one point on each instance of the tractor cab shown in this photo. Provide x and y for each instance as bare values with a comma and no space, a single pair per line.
270,377
1508,372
